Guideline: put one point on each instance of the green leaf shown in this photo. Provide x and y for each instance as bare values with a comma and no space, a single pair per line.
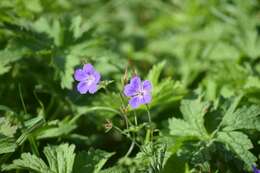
243,118
167,92
31,126
240,144
193,112
7,145
34,123
78,27
91,161
253,82
9,56
60,158
7,132
222,51
65,67
55,129
34,6
180,127
175,164
228,116
115,169
52,27
155,73
6,128
28,162
164,91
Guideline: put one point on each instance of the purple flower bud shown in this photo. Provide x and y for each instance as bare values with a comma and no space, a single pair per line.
138,91
88,79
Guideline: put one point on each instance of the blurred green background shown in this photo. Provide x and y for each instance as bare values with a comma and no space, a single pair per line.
212,46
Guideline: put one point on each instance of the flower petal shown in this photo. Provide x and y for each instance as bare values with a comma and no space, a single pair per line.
147,85
135,102
130,90
134,86
82,87
93,88
147,98
88,68
97,76
80,75
256,170
136,82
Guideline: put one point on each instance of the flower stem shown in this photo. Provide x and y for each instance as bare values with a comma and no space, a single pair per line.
130,149
149,133
147,136
93,109
136,121
123,113
149,114
132,139
127,135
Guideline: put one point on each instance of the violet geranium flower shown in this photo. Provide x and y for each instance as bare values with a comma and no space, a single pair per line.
88,79
138,91
256,170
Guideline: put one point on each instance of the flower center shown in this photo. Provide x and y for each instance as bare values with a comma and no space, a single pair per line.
90,79
140,93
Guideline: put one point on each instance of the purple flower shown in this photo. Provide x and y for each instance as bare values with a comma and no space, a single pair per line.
256,170
138,91
88,79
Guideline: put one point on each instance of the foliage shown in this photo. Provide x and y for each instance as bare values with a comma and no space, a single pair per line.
202,58
227,132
